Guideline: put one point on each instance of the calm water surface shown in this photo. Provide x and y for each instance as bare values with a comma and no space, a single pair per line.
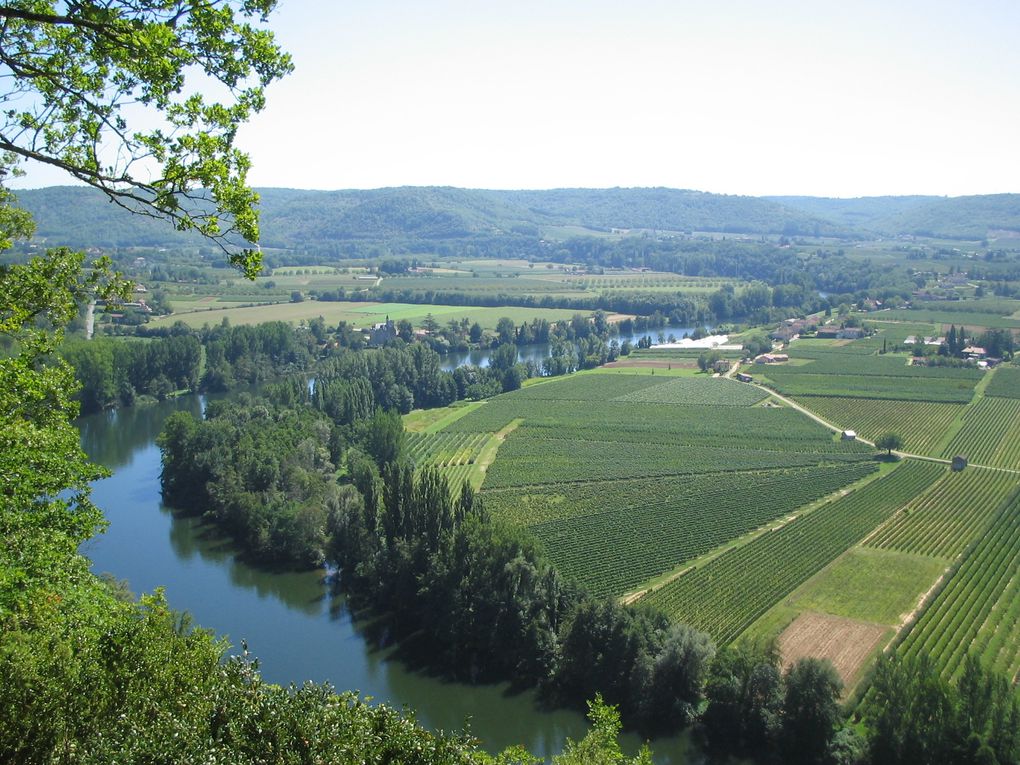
290,622
538,352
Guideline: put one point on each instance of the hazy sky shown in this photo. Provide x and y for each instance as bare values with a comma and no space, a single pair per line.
845,98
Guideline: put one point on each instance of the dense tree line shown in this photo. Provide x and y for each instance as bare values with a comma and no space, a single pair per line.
112,372
684,308
403,376
915,716
478,601
261,472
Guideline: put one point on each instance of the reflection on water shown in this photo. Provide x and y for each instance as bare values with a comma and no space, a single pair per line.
291,621
538,352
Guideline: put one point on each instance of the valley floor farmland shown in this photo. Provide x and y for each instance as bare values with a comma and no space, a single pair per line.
718,504
951,545
625,477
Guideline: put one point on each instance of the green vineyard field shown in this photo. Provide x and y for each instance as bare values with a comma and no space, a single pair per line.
978,610
529,461
698,392
990,433
942,521
726,595
922,424
612,536
1005,383
805,380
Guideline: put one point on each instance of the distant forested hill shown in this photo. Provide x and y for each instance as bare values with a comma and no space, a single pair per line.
972,217
859,214
669,210
421,217
950,217
296,218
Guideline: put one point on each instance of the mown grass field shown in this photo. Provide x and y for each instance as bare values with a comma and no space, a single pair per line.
892,580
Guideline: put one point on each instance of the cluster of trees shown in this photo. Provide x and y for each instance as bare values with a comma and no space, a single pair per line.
251,354
915,716
351,384
477,601
261,472
756,710
112,372
997,343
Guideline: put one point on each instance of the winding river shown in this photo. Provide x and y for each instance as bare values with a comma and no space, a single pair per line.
289,621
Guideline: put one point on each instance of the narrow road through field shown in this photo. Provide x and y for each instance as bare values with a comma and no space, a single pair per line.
794,405
836,429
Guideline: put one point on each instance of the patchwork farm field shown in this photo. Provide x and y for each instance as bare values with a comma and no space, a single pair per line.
716,503
726,595
626,477
893,581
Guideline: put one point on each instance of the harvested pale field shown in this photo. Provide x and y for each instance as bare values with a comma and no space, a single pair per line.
653,364
847,643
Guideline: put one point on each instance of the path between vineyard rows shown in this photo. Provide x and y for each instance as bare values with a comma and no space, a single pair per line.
836,429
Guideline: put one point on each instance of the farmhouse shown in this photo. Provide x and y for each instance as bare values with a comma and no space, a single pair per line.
771,358
789,329
830,333
744,377
850,333
848,435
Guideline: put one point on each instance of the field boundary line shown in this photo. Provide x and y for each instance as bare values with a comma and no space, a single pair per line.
487,454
